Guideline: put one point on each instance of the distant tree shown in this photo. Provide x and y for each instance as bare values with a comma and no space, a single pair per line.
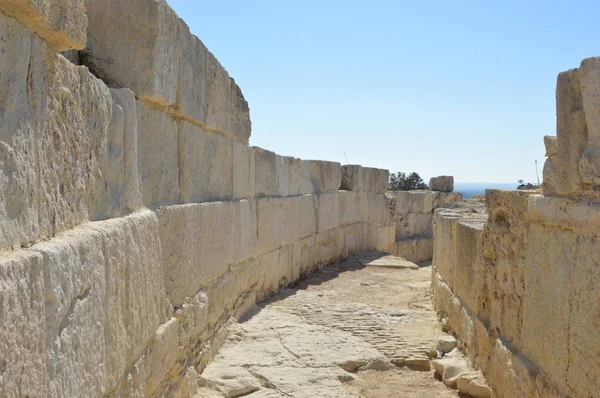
401,182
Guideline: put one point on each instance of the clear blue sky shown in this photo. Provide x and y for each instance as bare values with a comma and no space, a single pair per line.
438,87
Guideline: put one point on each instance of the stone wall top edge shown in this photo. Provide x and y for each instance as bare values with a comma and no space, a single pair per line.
564,212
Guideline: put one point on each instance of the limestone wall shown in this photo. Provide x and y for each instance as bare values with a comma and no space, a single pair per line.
521,290
135,220
412,212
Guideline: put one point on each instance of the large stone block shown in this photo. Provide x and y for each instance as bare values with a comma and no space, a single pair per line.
589,80
327,211
267,179
325,176
305,216
198,246
62,24
283,164
175,70
469,274
572,135
442,183
276,223
547,304
158,155
583,373
206,165
147,34
23,326
358,178
227,109
349,208
246,243
54,129
300,181
244,177
420,201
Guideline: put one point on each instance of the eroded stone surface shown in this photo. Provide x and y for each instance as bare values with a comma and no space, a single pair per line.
311,341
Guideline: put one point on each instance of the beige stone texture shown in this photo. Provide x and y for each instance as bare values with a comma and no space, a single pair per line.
551,145
175,70
305,216
158,147
415,250
198,245
589,80
442,183
244,176
282,165
23,326
267,179
349,207
468,273
325,176
205,165
151,41
276,222
104,300
328,211
358,178
299,180
62,24
562,171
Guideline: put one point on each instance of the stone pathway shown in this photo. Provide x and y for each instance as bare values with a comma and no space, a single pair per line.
348,331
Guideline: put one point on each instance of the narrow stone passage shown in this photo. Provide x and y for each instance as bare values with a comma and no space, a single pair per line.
348,331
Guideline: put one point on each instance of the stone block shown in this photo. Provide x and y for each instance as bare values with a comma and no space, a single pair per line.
300,180
571,133
375,180
583,373
267,179
246,242
276,223
123,147
330,246
305,216
141,33
551,145
385,237
403,202
205,165
158,155
420,224
468,273
198,245
378,211
358,178
349,208
327,211
244,176
443,245
23,326
415,250
194,77
445,199
325,176
442,183
226,107
160,357
547,304
589,80
62,25
283,173
420,201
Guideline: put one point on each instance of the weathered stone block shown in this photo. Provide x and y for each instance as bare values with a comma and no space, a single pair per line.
244,177
551,145
197,245
352,178
267,179
442,183
469,274
245,230
378,211
327,211
61,24
206,165
589,79
23,326
276,223
158,155
305,216
226,107
194,77
546,306
283,173
330,246
325,176
151,41
420,201
420,224
375,180
415,250
386,236
300,181
349,208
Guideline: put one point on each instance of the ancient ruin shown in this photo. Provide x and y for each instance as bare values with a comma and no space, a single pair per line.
146,250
